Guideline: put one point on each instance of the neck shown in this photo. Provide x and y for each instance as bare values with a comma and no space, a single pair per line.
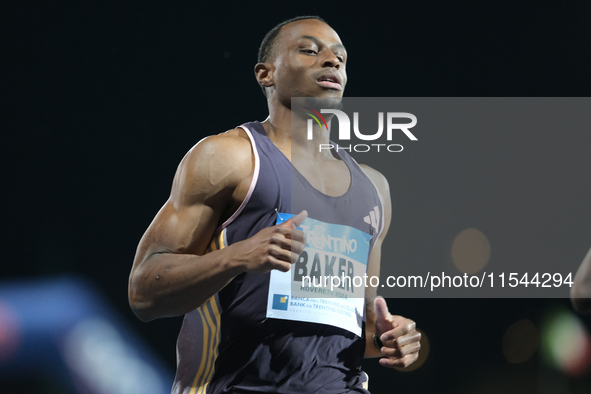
289,132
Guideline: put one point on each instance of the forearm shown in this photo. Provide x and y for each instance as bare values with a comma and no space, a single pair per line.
168,284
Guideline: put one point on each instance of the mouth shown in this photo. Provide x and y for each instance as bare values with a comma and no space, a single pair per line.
329,81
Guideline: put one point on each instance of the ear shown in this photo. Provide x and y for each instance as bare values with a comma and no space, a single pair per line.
263,72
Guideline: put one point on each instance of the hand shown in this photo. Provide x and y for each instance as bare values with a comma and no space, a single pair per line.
276,247
398,335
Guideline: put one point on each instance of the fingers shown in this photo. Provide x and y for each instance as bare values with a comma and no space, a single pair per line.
381,308
295,221
401,344
402,327
299,219
399,362
411,338
285,248
402,348
401,356
289,238
276,247
297,236
285,243
281,266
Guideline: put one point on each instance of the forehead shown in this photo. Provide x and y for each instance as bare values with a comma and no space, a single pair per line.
294,31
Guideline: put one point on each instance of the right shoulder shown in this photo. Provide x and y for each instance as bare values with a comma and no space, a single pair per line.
230,146
215,163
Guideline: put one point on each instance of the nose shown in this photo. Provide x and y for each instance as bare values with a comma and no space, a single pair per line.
330,60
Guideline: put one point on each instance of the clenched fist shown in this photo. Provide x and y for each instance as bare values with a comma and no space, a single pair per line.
276,247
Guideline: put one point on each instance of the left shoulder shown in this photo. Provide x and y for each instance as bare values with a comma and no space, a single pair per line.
377,178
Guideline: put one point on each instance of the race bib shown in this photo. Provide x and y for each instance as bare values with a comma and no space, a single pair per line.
326,284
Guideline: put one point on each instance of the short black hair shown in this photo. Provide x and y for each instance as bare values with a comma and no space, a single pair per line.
267,46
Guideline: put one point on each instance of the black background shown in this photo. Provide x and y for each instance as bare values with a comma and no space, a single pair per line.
101,100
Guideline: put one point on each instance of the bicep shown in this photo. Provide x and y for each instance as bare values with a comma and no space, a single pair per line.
202,191
181,229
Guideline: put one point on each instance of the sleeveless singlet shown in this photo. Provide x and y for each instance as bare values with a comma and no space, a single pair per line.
229,344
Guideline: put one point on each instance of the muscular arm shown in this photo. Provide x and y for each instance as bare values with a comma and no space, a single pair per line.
401,340
373,266
580,293
171,274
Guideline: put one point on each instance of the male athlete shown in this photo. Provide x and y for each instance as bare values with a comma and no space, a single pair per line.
218,246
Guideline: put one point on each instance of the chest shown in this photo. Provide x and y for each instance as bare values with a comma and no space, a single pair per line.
330,177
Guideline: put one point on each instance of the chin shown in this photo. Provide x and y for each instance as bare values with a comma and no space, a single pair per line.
319,102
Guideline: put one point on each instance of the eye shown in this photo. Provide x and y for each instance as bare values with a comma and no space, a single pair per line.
309,51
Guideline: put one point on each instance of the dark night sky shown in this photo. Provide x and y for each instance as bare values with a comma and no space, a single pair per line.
100,102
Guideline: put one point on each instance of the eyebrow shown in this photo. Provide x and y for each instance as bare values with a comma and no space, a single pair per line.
318,42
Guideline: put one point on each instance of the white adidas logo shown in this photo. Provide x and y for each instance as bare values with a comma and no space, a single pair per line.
373,218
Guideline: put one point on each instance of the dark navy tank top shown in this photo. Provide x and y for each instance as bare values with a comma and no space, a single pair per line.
229,345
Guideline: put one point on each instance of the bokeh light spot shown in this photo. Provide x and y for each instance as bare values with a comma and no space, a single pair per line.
520,342
566,344
470,251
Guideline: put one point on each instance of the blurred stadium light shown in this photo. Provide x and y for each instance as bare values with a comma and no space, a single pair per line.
62,325
566,344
